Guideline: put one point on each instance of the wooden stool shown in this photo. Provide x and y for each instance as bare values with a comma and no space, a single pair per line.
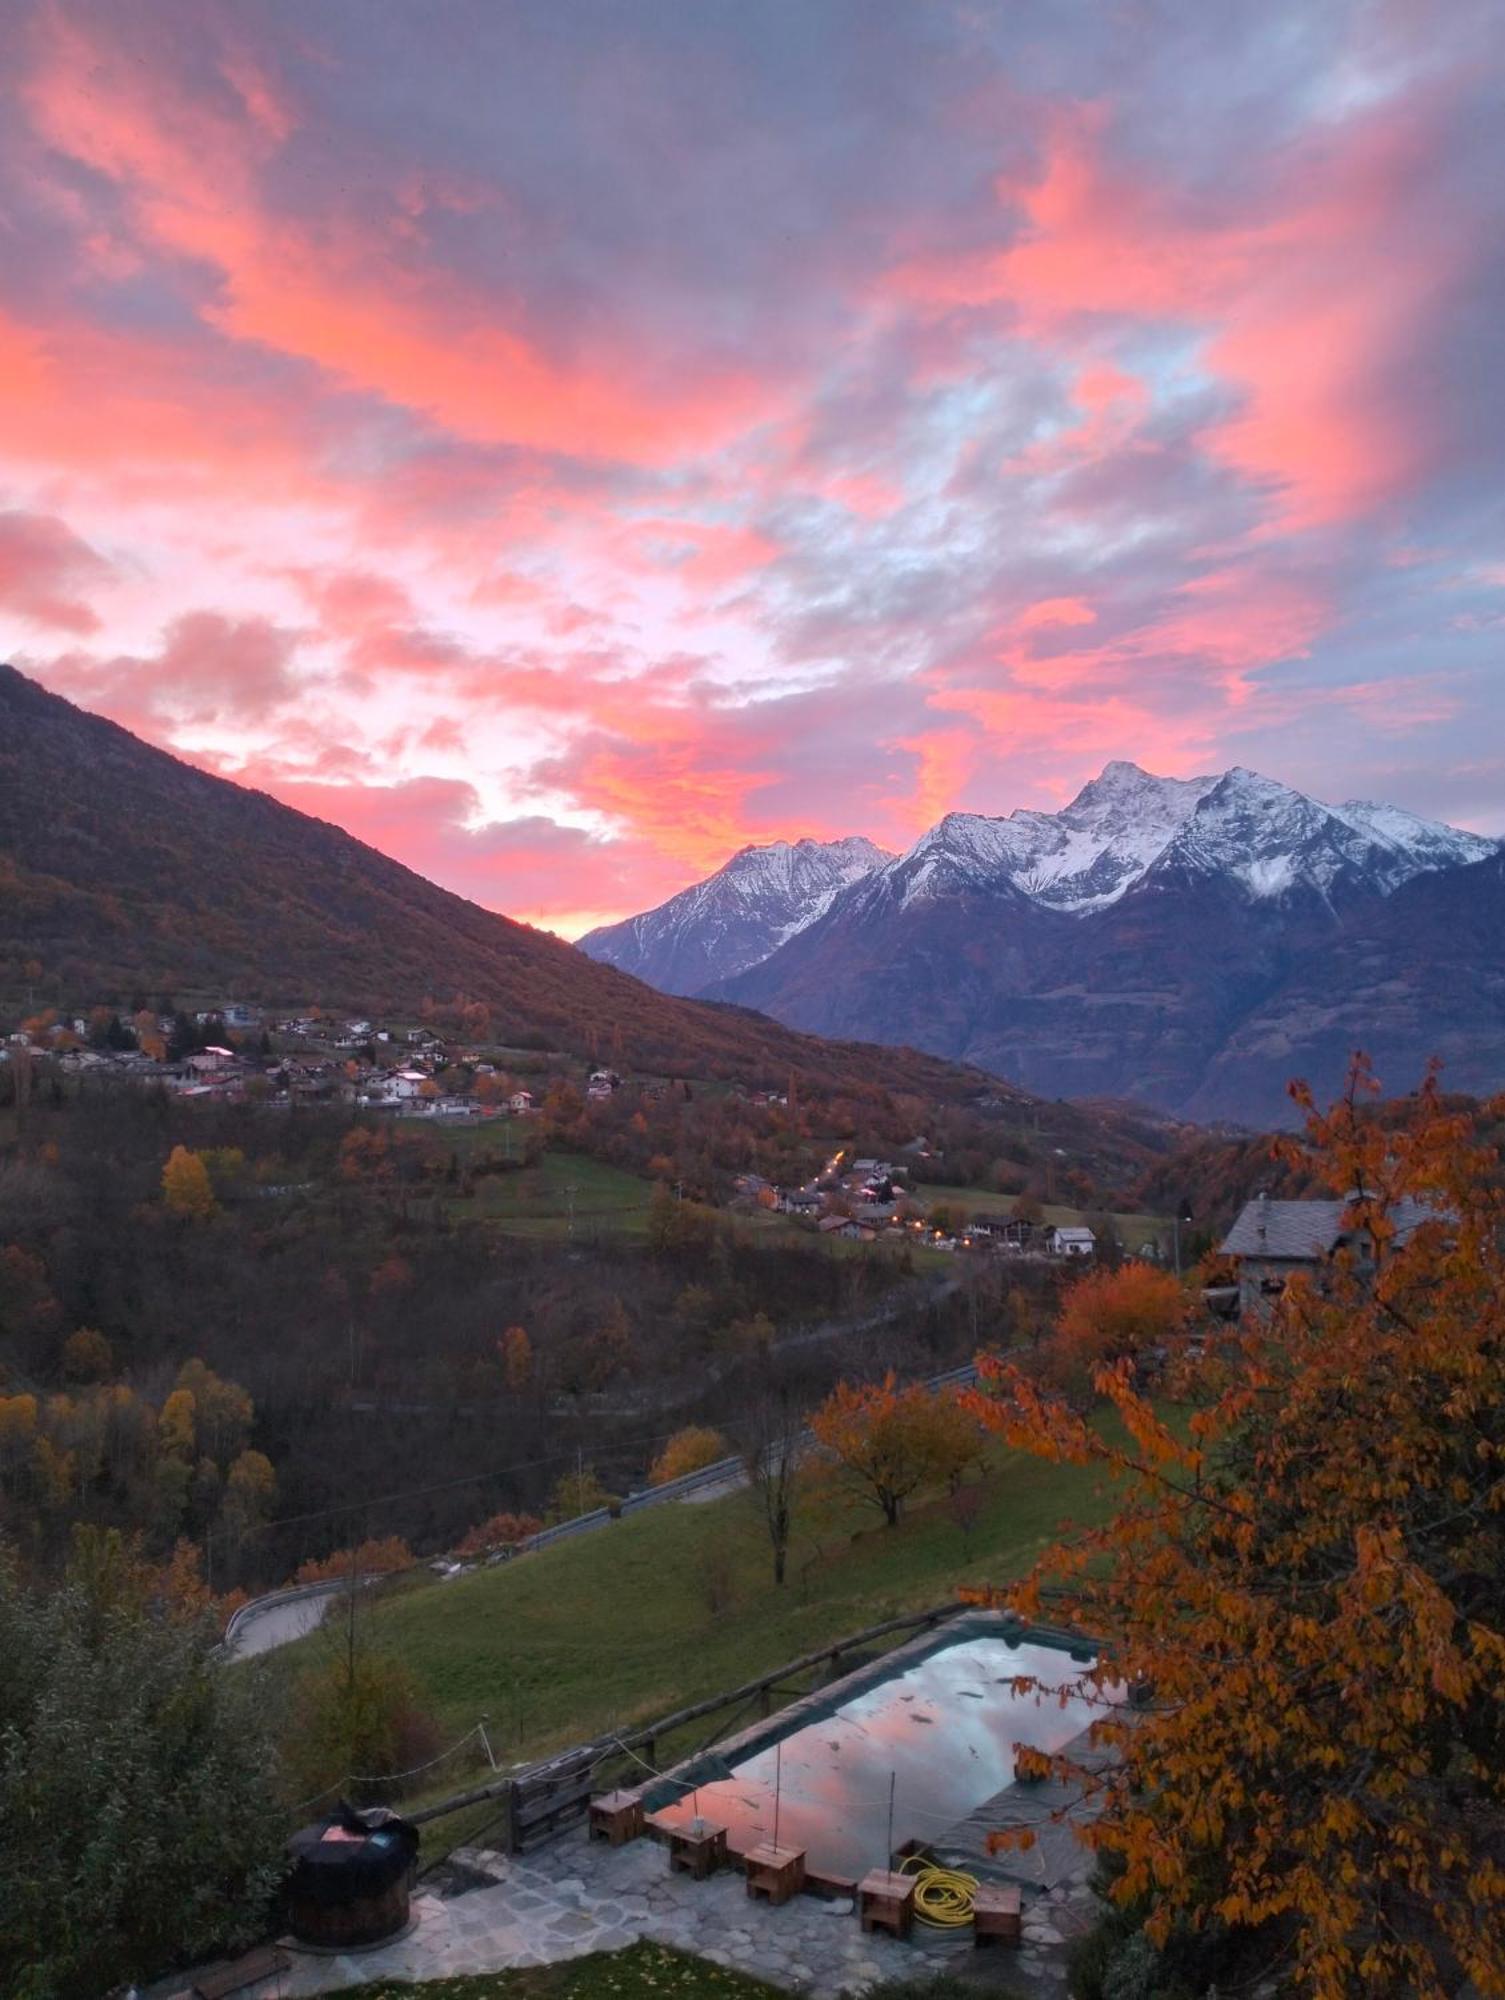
995,1914
885,1901
699,1848
617,1817
775,1872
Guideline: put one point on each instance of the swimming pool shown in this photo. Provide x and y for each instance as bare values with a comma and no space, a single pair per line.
940,1718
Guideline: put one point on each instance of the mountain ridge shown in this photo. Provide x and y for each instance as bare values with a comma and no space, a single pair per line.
1185,943
756,901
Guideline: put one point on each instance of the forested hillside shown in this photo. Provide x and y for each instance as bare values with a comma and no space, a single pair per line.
124,871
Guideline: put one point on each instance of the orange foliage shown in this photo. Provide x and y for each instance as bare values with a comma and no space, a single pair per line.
376,1557
886,1442
516,1351
1110,1316
687,1451
1308,1592
186,1187
502,1531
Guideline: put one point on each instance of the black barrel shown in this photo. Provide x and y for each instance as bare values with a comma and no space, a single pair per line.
351,1877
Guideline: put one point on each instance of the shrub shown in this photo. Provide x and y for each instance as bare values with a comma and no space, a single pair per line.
138,1822
687,1451
502,1531
352,1720
383,1557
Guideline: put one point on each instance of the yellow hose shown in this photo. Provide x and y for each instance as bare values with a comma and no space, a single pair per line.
943,1896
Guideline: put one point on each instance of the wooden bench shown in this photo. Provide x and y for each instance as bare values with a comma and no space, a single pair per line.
775,1872
996,1917
885,1901
699,1849
616,1817
230,1975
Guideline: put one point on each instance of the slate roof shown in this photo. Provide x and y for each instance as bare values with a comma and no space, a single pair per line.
1304,1231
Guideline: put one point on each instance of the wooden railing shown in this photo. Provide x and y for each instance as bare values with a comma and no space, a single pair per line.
546,1797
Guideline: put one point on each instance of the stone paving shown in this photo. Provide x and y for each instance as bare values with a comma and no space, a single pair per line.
579,1896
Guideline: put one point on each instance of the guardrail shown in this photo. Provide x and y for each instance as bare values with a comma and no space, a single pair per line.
719,1474
274,1600
708,1476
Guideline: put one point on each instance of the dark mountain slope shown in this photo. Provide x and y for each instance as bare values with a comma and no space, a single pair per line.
1187,993
124,871
1417,974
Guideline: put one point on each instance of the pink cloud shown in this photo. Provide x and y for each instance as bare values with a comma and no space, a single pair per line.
346,293
1056,611
46,572
210,669
532,867
1306,303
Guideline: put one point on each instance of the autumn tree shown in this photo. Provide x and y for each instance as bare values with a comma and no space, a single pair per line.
250,1491
87,1356
578,1492
221,1410
1307,1589
951,1437
1108,1316
881,1439
186,1186
687,1451
516,1351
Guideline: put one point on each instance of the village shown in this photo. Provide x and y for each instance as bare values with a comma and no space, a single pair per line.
234,1053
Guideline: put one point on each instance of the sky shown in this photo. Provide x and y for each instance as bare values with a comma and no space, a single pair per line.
563,443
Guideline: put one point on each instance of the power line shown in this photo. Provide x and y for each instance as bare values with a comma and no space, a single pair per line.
469,1479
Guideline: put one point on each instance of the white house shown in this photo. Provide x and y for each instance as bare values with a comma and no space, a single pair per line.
520,1103
212,1058
1072,1242
399,1086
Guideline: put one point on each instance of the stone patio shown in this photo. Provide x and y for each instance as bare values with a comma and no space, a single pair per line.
579,1896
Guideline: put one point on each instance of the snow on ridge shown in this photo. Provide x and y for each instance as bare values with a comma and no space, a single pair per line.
1127,822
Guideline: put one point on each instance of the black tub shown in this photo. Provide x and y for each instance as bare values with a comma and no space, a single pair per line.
351,1877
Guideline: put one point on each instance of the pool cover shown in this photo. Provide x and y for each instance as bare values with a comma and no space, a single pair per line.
943,1725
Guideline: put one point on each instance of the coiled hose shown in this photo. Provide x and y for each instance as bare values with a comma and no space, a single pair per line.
943,1896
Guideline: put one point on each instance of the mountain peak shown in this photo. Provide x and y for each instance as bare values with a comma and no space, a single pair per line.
765,894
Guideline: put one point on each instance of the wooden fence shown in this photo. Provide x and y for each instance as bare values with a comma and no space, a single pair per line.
545,1798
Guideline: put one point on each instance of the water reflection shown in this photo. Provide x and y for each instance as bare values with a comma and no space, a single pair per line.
945,1728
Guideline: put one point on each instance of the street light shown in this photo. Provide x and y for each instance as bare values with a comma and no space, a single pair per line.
1183,1214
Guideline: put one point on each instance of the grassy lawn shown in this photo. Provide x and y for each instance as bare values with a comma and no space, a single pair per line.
642,1972
536,1200
1132,1229
671,1605
645,1972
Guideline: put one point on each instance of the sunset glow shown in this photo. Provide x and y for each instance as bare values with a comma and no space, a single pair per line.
560,445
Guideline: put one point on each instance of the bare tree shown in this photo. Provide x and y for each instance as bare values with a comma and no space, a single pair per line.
775,1441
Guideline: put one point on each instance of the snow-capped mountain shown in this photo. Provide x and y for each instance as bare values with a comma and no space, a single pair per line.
1128,826
738,916
1190,941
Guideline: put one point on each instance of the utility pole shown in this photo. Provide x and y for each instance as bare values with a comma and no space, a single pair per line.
571,1189
1183,1214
